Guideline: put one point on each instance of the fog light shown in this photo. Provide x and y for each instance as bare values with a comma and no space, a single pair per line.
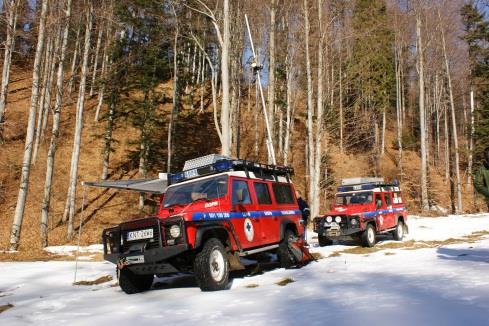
329,219
354,221
337,219
175,231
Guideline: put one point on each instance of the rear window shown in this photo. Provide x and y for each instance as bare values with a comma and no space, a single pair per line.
262,193
283,194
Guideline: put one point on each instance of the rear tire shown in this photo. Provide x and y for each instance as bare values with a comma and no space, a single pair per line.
324,241
398,233
285,256
132,283
211,266
368,236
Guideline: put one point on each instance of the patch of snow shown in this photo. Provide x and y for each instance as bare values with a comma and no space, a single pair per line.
447,285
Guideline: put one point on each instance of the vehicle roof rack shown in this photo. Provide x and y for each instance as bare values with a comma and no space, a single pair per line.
369,183
264,171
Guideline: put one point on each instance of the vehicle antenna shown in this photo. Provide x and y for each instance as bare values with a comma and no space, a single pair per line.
256,70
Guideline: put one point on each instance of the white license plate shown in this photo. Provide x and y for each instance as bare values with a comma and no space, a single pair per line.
140,234
135,260
335,226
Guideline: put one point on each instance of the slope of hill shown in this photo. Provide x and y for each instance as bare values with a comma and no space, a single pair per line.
104,208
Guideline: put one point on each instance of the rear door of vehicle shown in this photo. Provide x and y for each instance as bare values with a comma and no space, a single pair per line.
380,208
389,216
286,206
268,218
243,213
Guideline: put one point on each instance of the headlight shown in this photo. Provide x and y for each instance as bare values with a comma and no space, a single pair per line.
175,231
354,221
337,219
329,219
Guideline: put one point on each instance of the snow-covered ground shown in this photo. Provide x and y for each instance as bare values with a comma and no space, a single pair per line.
445,285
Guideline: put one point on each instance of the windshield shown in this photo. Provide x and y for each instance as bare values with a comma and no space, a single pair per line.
354,198
198,190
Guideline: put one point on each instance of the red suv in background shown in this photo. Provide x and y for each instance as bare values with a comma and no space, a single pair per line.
363,208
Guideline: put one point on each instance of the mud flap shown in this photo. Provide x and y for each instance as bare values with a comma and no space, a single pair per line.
300,251
235,262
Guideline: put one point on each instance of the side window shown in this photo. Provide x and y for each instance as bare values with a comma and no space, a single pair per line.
283,194
387,198
378,201
241,193
262,193
397,198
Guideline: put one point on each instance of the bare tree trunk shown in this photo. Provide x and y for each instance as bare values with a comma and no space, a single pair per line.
319,118
175,97
74,60
271,72
79,122
398,110
95,60
44,87
341,102
55,130
422,116
108,136
447,149
213,86
101,92
226,137
459,207
310,106
11,10
289,113
26,163
471,140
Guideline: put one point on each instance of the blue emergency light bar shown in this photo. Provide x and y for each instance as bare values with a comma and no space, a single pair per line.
260,170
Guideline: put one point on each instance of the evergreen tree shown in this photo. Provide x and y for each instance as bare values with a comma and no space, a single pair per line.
477,38
371,67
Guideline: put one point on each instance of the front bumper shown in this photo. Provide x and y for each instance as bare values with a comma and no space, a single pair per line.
148,255
337,230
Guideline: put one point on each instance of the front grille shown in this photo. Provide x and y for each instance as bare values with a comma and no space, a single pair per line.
144,243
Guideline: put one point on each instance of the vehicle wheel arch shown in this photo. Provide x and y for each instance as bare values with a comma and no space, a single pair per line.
215,231
287,225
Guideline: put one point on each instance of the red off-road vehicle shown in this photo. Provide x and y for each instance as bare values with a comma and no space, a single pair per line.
364,207
215,211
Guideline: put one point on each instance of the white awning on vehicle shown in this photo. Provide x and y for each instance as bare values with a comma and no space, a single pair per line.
154,186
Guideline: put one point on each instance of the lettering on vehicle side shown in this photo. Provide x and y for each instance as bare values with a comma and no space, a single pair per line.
211,204
255,214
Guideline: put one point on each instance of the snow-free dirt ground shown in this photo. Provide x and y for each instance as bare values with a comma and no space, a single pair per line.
438,276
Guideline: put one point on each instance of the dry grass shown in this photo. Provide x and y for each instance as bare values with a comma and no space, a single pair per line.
412,245
5,307
100,280
285,281
251,286
42,255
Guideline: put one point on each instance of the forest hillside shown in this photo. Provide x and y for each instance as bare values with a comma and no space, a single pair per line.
127,89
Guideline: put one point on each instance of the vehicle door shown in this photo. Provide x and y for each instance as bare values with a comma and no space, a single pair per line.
269,222
244,217
380,209
389,216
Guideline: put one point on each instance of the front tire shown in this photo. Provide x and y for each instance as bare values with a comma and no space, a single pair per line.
368,236
398,233
211,266
285,256
324,241
132,283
